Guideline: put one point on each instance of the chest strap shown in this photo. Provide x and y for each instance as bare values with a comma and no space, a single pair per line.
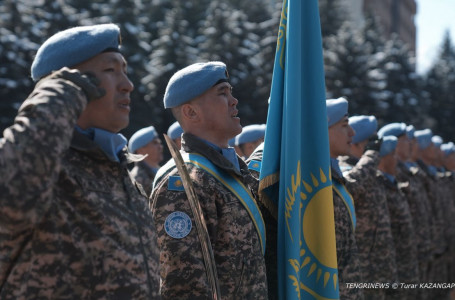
233,184
340,189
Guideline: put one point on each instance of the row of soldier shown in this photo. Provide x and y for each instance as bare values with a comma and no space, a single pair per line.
394,200
74,224
403,195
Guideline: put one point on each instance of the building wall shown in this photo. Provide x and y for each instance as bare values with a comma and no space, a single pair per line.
395,16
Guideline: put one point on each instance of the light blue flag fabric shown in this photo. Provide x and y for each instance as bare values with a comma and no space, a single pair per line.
295,173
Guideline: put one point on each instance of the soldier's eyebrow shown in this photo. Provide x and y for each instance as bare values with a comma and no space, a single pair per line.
116,60
223,86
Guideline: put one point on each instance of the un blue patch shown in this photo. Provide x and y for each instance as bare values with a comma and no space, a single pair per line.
178,225
255,165
175,184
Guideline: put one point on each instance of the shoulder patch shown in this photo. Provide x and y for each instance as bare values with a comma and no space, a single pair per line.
178,225
255,165
175,183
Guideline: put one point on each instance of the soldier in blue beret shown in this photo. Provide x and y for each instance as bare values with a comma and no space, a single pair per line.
438,270
146,142
73,224
175,133
200,98
340,139
403,230
251,137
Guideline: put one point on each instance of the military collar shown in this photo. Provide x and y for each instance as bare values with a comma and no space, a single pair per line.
82,143
191,143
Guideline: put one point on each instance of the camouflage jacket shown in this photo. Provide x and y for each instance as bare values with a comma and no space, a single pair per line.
414,190
269,212
144,175
373,231
436,198
446,188
235,242
347,252
403,232
73,225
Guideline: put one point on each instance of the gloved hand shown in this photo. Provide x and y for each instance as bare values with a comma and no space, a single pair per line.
86,81
374,143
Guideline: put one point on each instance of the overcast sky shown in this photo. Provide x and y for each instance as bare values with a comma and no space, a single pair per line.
433,18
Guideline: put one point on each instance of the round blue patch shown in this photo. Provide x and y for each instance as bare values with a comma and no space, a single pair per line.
178,225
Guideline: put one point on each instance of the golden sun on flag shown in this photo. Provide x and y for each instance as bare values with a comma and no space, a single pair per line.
315,267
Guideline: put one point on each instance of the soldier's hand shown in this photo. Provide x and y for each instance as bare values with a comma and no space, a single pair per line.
374,143
86,81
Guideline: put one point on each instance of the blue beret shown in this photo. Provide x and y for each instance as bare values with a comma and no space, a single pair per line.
388,145
364,127
250,133
410,131
437,140
336,110
423,138
193,81
141,138
395,129
448,148
175,131
73,46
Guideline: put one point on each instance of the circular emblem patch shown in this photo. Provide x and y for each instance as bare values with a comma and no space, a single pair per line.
178,225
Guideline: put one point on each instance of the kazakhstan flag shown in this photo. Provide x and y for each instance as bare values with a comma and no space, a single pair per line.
295,172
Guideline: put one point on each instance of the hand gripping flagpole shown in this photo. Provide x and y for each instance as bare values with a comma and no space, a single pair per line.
204,239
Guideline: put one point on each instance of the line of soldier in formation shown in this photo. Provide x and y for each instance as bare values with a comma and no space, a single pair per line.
77,223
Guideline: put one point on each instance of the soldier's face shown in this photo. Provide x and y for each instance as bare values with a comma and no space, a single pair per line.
449,162
414,149
154,150
340,138
217,110
403,147
111,112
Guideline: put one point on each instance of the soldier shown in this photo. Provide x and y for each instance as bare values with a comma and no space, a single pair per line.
414,191
445,187
340,138
438,271
201,100
175,133
73,224
250,137
448,159
401,219
373,231
147,143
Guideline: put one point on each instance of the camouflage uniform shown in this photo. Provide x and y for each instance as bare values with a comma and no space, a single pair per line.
438,269
414,190
269,212
235,242
73,225
450,183
144,175
450,192
373,231
347,253
404,236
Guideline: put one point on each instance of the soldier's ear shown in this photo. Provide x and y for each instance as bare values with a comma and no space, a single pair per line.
190,112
